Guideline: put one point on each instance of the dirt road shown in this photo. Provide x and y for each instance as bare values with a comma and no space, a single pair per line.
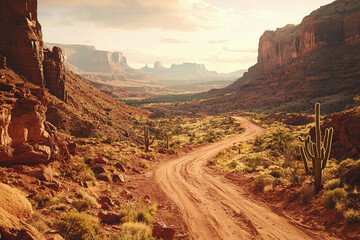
214,208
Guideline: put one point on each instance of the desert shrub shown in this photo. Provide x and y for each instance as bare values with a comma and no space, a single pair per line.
258,144
259,181
292,165
134,231
331,197
145,215
38,222
279,140
352,216
254,162
41,199
143,164
347,164
276,173
148,155
306,193
81,205
332,184
76,226
233,164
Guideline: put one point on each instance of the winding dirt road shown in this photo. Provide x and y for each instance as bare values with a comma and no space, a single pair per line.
214,208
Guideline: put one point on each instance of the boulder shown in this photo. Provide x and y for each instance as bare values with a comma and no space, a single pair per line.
118,178
163,232
15,209
108,217
120,167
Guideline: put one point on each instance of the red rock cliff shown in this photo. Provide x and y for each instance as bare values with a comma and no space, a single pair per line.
23,45
331,25
25,136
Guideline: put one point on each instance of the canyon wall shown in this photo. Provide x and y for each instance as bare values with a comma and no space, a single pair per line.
331,25
22,45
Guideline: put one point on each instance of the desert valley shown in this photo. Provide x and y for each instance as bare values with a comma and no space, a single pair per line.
93,148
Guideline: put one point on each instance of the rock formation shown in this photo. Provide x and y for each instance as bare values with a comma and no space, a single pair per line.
346,141
88,59
22,45
317,59
25,136
54,72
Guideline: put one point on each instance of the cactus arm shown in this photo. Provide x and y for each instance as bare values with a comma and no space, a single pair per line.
303,157
308,150
317,130
328,147
322,154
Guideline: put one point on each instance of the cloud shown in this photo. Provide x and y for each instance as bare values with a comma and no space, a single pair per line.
226,49
172,40
218,41
176,15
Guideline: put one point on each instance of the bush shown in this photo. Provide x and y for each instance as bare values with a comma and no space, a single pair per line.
331,197
306,193
259,181
135,231
143,164
332,184
76,226
347,164
276,173
38,222
352,216
41,199
254,162
233,164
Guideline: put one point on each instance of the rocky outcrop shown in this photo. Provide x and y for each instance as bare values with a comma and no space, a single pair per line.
346,140
15,209
54,72
25,136
22,45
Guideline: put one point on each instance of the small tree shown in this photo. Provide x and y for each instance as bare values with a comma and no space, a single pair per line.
318,151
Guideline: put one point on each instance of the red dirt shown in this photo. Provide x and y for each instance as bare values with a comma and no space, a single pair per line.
206,205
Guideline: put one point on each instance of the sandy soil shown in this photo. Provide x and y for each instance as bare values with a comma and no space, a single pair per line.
214,208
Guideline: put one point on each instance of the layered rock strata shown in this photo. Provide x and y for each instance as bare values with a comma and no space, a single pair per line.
22,45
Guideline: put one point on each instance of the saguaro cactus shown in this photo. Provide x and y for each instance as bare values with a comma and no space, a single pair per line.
318,151
147,139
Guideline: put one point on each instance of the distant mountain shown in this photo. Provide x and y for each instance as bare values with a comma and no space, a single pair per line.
188,72
112,68
82,58
317,60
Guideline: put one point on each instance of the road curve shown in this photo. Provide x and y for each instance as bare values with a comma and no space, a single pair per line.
214,208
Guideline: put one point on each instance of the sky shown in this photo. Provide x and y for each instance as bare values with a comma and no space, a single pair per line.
222,34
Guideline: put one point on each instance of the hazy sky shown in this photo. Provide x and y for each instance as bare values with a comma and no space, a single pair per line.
222,34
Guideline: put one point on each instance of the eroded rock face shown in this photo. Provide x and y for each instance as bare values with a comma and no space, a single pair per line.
15,209
325,27
22,45
25,136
